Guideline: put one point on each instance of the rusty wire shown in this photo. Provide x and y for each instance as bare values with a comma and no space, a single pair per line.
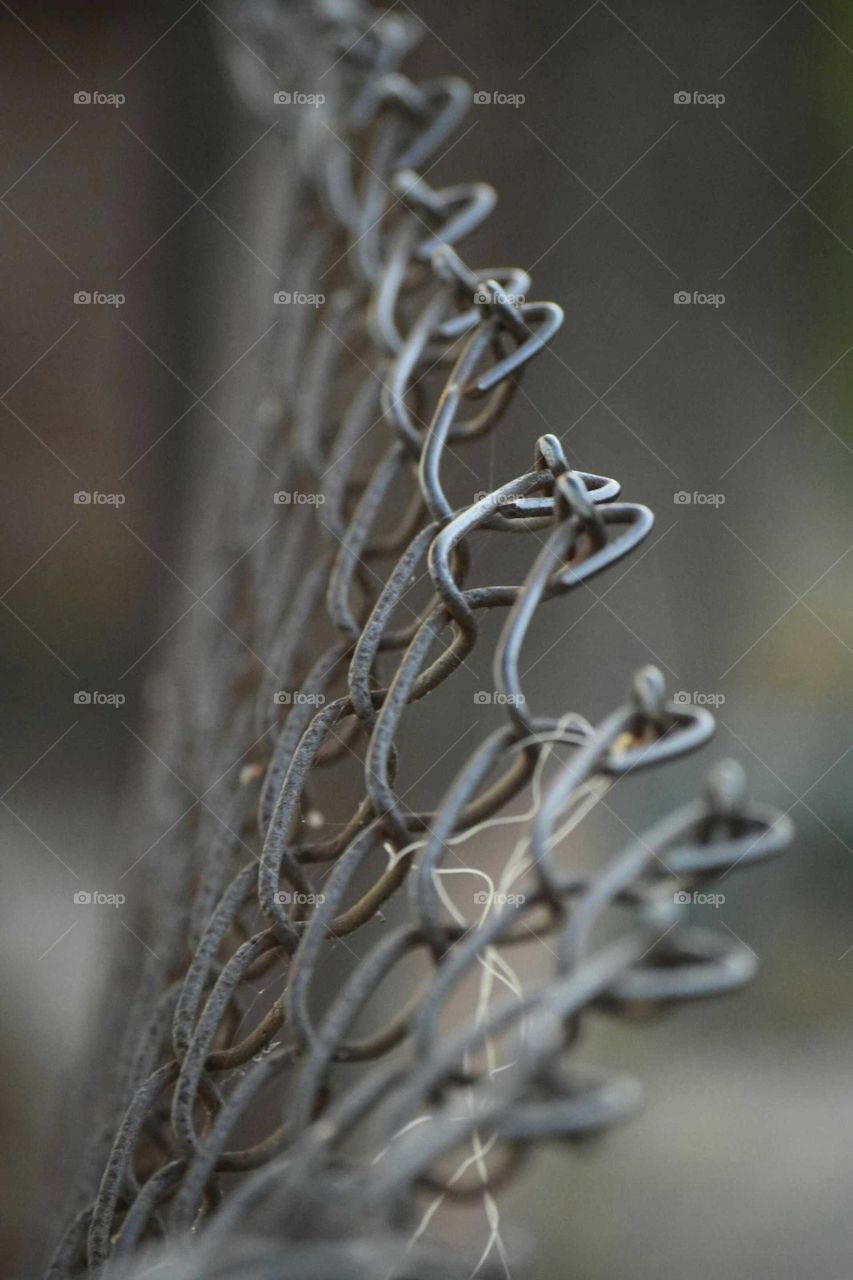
414,355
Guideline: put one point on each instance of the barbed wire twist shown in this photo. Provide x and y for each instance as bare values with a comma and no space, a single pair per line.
414,356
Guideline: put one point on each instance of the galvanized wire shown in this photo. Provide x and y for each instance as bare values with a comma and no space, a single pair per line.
413,356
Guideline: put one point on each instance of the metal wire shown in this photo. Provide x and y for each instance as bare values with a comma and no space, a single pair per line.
413,356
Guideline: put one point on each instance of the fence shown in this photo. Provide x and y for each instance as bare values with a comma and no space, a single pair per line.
320,637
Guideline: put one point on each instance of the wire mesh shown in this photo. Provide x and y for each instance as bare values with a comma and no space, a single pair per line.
350,1139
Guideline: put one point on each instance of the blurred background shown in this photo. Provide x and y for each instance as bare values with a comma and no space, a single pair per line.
728,414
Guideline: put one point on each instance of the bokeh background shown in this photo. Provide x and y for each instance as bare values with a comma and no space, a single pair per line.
617,197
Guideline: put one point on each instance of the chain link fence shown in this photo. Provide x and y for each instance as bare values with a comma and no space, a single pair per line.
332,1036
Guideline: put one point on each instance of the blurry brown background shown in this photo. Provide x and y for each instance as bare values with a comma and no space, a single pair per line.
617,197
